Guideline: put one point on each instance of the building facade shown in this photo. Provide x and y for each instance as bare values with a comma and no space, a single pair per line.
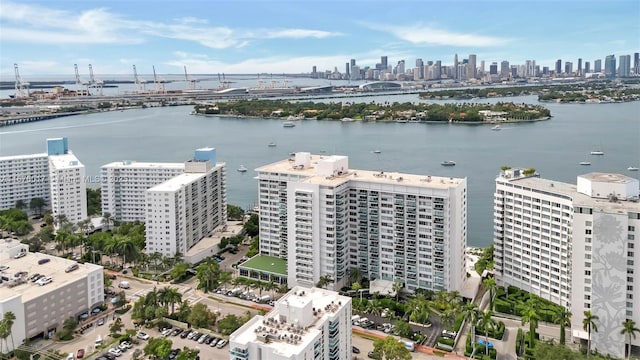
306,323
56,176
184,209
124,184
327,219
574,246
41,310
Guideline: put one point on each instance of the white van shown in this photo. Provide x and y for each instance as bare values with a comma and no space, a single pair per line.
124,285
70,357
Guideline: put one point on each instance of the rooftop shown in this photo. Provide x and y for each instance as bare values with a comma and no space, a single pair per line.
265,263
287,166
288,338
55,268
177,182
143,165
28,156
608,178
65,161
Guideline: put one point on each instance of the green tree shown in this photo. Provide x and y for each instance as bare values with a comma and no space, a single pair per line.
116,326
397,289
544,351
486,323
200,316
490,285
36,205
21,205
229,324
324,281
563,318
629,329
6,326
208,275
403,328
357,287
471,313
530,315
234,212
159,348
188,354
107,220
94,201
589,325
390,349
179,270
170,296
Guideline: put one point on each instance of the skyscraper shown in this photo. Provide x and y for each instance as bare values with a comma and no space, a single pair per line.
625,66
597,66
437,70
455,66
471,67
579,67
420,66
346,70
383,63
558,67
587,67
504,69
493,68
610,66
568,68
636,63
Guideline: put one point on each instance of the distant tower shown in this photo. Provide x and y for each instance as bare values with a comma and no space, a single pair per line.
610,66
420,66
587,67
625,66
579,67
597,66
346,70
568,68
383,63
437,70
505,70
558,67
472,67
636,63
455,66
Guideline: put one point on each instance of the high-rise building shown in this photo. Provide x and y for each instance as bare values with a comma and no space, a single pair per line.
545,70
355,73
530,68
471,67
400,67
353,62
481,68
326,218
186,208
314,72
306,323
493,68
568,68
625,66
455,66
558,67
597,66
383,62
587,67
420,66
579,70
56,176
610,66
572,245
124,183
346,70
504,69
437,70
636,63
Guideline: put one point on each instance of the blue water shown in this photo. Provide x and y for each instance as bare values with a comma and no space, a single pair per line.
170,134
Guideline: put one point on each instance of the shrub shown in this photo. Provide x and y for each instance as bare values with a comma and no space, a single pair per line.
123,310
503,306
446,341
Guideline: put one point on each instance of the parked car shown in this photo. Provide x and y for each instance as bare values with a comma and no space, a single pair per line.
165,332
185,334
100,321
115,351
221,343
355,350
202,339
80,354
20,254
214,341
142,335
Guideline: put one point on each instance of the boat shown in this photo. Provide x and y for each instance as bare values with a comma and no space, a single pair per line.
272,144
347,119
585,163
288,124
632,168
597,152
448,163
242,168
294,118
496,128
402,121
377,151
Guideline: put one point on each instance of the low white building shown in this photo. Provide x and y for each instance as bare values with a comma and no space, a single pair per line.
186,208
41,310
306,323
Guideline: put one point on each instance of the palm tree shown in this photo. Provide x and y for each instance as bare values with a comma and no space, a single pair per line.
562,317
60,220
21,205
448,317
357,287
7,324
530,315
397,289
170,296
486,323
155,258
324,281
107,220
629,328
471,312
490,284
125,247
355,275
589,324
225,279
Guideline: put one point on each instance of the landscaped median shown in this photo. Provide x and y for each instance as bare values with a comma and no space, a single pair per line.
372,335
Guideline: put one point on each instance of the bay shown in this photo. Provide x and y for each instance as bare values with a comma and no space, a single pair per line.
170,134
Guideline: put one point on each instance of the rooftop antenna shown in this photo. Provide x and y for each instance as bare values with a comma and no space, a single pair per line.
22,87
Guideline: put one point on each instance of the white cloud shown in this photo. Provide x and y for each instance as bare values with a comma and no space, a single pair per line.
420,34
100,26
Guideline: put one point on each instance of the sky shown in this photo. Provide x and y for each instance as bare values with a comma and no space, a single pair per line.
47,37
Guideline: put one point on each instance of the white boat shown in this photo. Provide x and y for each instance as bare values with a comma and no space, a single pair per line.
448,163
496,128
347,119
377,151
242,168
597,152
632,168
288,124
272,144
294,118
585,163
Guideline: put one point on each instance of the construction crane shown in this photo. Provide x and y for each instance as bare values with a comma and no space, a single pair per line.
95,83
224,83
80,84
22,87
159,82
136,79
192,82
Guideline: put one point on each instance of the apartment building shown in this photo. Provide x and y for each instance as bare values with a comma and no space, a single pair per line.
56,176
306,323
186,208
124,185
326,219
41,308
573,245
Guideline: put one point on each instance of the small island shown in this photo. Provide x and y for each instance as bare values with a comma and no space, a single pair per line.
464,113
588,92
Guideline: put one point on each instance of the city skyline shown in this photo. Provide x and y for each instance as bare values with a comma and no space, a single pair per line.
251,37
